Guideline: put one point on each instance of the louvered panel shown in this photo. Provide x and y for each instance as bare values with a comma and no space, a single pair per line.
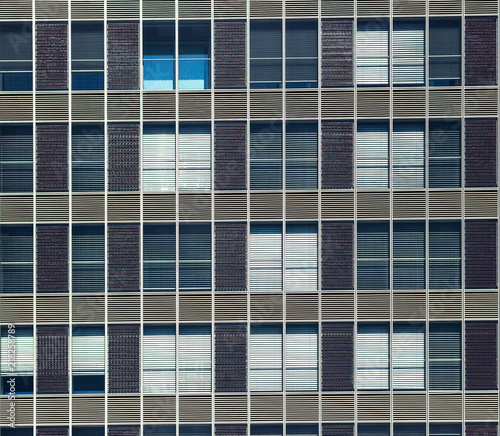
24,412
53,310
374,305
337,104
481,7
15,10
409,407
159,207
372,359
338,408
445,407
195,207
301,307
337,8
480,254
408,103
159,360
230,105
159,308
480,153
302,206
337,151
374,205
372,103
16,107
230,257
124,106
337,306
445,204
264,9
443,305
337,345
230,9
481,305
266,307
300,8
445,103
52,51
445,7
231,430
408,204
123,207
124,430
231,363
266,408
229,51
266,258
123,10
16,310
408,7
337,429
301,357
123,163
266,206
87,107
301,408
481,428
372,156
158,106
123,257
51,158
481,406
230,157
51,10
195,106
480,50
88,308
301,104
195,362
373,7
154,9
52,370
230,408
52,208
124,308
373,407
159,409
52,244
337,205
337,46
124,410
52,411
230,307
87,9
481,102
190,9
87,410
266,104
88,208
408,305
230,206
195,308
481,360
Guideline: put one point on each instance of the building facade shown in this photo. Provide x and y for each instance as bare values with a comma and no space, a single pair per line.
249,217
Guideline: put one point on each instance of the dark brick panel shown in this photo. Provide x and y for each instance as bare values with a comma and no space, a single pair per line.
480,153
51,56
230,358
230,257
123,55
480,355
337,151
52,360
123,157
338,354
230,155
337,53
480,254
123,363
481,51
337,260
229,54
52,258
52,157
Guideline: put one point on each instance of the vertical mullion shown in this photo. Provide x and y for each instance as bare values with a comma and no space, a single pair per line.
141,215
355,220
34,256
70,225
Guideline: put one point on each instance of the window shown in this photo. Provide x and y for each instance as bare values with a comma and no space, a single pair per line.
445,151
87,157
302,155
159,430
158,157
301,53
374,429
445,52
88,359
16,66
16,158
410,429
408,354
445,356
301,257
372,351
409,255
408,39
266,430
159,55
88,258
87,55
16,259
372,47
266,155
195,430
266,54
194,54
373,256
372,155
159,257
17,359
408,155
266,256
445,257
448,429
302,429
195,257
301,357
266,358
159,359
195,157
88,431
195,359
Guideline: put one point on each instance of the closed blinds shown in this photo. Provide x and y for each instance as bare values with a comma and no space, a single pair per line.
412,429
302,429
159,257
445,356
408,153
266,155
87,157
448,429
265,54
195,157
16,259
302,155
445,153
266,257
409,255
372,156
445,48
372,47
266,358
408,354
301,53
374,430
266,430
195,359
408,39
159,359
372,351
445,258
301,257
17,357
158,158
88,258
195,257
195,430
88,350
373,256
87,55
16,158
301,347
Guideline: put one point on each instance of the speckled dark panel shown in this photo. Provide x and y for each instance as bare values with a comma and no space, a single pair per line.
52,157
124,430
481,355
230,256
481,51
337,154
337,48
52,431
480,153
229,54
123,363
338,429
480,254
230,430
481,429
123,55
338,356
52,258
123,156
230,155
52,359
337,255
51,56
123,257
230,358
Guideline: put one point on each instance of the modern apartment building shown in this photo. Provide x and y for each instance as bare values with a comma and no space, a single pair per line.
249,217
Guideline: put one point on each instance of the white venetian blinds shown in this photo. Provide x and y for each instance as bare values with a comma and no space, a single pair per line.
266,257
88,350
372,155
372,351
266,358
159,359
372,48
158,158
22,361
408,39
194,157
301,358
408,353
195,359
301,257
408,145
